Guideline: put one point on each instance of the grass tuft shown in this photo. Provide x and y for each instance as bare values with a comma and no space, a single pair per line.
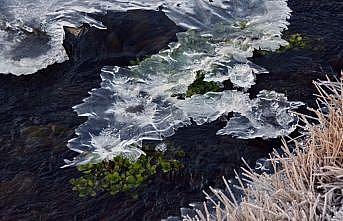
309,183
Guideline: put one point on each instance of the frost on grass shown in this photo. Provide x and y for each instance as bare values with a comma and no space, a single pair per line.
303,180
141,102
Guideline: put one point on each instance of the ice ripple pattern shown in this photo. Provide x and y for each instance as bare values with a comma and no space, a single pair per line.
141,102
31,31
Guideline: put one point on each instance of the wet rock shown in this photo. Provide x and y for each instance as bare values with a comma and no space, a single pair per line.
126,37
74,31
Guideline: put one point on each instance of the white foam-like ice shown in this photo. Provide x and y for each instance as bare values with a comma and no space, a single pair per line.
161,147
140,102
270,116
31,31
129,109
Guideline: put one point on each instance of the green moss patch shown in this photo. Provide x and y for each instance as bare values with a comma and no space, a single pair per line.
121,175
243,24
199,86
296,41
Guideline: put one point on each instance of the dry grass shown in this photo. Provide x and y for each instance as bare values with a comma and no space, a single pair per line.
309,184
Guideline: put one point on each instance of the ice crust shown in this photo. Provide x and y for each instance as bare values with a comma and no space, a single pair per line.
141,102
31,31
270,116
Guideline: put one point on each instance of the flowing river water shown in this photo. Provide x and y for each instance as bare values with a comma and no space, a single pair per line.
37,118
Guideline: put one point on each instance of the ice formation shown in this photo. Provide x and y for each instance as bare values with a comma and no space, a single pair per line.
162,147
139,103
31,31
270,116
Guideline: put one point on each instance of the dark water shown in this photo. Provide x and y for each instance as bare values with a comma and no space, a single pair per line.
37,119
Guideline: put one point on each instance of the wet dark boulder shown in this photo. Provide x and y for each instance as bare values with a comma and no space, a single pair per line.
133,34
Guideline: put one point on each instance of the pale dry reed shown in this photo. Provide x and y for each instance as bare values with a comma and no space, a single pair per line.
309,183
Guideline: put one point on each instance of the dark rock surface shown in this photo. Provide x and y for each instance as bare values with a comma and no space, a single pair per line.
37,118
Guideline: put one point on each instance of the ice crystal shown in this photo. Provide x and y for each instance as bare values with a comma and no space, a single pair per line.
140,103
269,117
162,147
31,31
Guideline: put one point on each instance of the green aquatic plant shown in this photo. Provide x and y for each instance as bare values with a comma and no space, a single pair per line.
135,61
122,175
199,86
243,24
295,41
